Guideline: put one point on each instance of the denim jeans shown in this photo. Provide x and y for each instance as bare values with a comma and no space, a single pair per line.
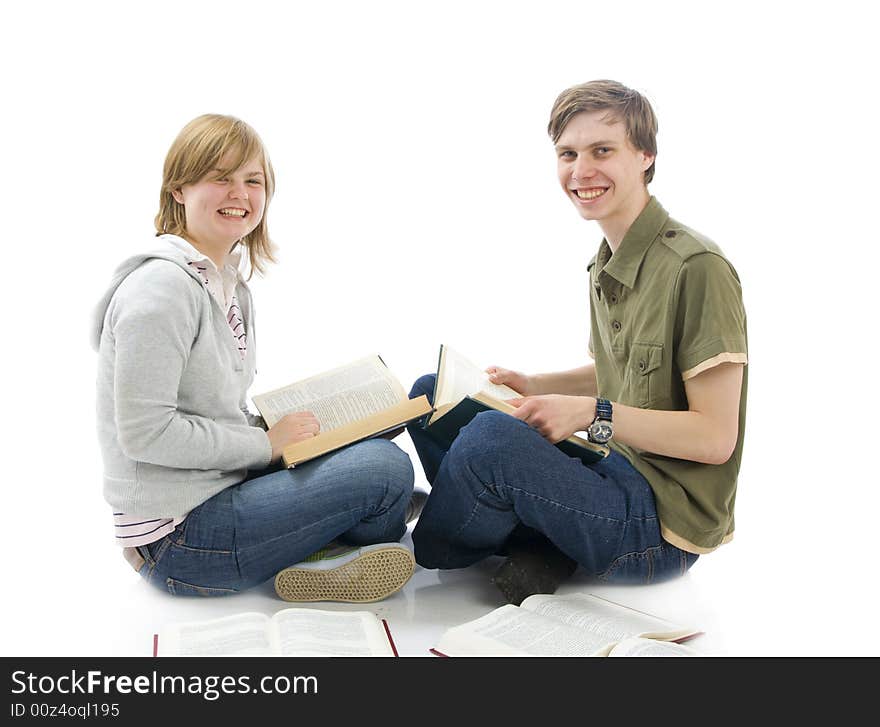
247,533
502,479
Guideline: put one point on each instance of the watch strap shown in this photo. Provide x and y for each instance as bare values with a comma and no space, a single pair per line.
603,409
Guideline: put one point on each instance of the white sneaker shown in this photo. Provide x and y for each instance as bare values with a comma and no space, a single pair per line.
347,573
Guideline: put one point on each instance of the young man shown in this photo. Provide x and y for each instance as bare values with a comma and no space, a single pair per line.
666,392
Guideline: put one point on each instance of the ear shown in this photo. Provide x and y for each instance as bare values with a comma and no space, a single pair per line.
647,160
178,195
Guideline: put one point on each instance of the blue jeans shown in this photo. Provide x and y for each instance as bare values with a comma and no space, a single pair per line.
501,479
247,533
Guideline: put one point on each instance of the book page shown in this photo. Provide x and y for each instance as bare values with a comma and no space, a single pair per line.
611,621
311,632
457,378
512,631
650,647
388,422
338,397
244,634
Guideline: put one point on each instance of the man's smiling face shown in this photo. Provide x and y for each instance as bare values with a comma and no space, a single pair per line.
600,171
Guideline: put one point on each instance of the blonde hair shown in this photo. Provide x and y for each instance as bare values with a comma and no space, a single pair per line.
196,152
621,103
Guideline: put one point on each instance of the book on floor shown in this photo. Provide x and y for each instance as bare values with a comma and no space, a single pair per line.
579,624
463,390
354,402
289,632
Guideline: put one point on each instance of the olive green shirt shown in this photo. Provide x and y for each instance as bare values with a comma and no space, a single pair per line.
666,306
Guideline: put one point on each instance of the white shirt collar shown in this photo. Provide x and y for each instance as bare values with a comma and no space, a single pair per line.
220,284
233,260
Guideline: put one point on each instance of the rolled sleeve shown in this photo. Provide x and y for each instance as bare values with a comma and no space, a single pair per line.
710,327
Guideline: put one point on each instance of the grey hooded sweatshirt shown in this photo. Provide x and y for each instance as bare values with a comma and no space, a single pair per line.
173,424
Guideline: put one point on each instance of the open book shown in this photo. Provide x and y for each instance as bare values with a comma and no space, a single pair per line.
353,402
579,624
289,632
463,390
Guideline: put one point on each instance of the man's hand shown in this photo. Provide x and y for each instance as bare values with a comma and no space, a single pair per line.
556,416
290,429
521,383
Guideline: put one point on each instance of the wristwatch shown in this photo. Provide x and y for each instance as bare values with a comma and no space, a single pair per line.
601,431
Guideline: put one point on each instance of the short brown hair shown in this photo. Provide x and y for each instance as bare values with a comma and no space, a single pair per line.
622,104
196,152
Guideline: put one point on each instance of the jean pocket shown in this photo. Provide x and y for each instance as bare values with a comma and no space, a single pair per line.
653,565
631,568
180,588
152,553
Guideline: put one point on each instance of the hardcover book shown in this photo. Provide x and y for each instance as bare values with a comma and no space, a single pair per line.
354,402
463,390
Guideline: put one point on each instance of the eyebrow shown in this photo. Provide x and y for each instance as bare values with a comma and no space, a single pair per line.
591,146
255,173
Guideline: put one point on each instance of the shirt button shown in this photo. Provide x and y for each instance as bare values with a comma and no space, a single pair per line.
642,365
613,298
670,233
616,326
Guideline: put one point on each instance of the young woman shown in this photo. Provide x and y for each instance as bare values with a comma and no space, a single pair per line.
199,502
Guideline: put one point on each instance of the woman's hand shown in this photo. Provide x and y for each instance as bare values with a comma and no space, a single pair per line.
292,428
516,380
555,416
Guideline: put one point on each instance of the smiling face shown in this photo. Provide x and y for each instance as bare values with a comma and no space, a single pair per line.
222,208
602,173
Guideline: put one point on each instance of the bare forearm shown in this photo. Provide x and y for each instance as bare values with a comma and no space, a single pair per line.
575,382
707,432
687,435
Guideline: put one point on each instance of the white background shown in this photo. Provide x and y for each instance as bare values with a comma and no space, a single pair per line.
417,204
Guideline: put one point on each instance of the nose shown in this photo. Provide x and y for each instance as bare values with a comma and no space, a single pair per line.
583,167
238,190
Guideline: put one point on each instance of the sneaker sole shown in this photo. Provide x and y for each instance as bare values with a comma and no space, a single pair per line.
369,577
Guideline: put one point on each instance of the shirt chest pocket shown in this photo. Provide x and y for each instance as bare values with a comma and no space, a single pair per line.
645,360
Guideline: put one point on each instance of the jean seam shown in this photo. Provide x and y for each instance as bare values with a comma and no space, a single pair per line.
148,560
465,523
202,550
684,562
153,561
163,548
647,552
144,552
179,538
169,584
527,493
300,532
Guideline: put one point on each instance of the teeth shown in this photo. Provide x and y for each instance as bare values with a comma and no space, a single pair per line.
233,212
589,193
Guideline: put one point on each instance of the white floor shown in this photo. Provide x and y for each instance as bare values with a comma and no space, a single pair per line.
417,615
796,580
114,613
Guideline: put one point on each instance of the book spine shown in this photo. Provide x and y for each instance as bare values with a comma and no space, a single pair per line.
445,429
587,456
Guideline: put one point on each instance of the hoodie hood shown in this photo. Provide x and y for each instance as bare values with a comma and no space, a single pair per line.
165,251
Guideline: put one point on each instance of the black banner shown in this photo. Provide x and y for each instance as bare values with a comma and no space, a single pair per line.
135,690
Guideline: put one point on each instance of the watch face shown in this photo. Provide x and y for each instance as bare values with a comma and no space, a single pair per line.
601,431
